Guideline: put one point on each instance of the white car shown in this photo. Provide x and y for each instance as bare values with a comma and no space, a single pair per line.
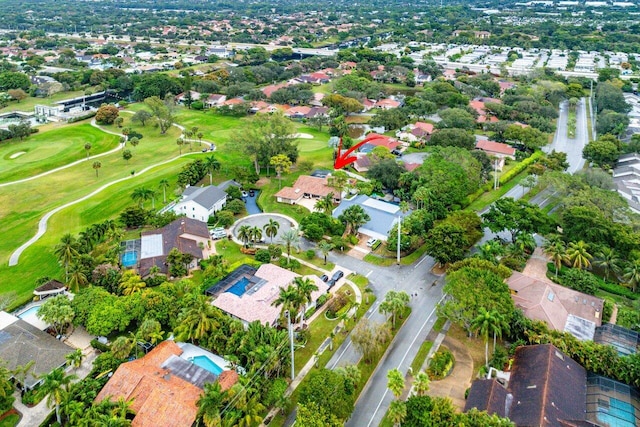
371,242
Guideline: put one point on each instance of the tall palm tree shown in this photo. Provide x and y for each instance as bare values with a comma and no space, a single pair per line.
198,321
256,234
75,359
354,217
578,255
325,204
632,274
421,383
87,148
306,287
180,143
555,249
164,184
397,412
608,259
394,303
121,347
290,238
490,250
486,323
77,278
289,299
55,385
209,405
141,195
66,251
96,166
271,228
325,247
244,234
395,382
212,165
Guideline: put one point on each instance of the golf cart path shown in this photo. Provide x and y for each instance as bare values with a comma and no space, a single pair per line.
120,146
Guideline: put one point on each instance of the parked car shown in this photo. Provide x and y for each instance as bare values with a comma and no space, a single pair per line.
371,242
324,278
331,283
337,275
252,193
244,194
204,150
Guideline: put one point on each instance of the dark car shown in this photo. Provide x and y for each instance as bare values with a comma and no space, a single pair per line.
324,278
337,275
331,283
252,193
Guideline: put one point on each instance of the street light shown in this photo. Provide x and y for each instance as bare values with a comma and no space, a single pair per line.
293,368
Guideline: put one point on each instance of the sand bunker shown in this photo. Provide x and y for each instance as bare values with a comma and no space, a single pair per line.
18,154
303,136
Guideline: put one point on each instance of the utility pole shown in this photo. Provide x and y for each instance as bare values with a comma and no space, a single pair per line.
293,367
399,228
495,174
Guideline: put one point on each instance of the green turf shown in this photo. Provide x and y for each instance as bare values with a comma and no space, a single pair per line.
54,148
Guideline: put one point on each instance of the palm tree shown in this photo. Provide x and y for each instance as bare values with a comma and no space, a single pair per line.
198,321
608,259
75,359
290,238
20,374
395,382
256,234
394,303
632,274
77,278
421,383
96,166
200,135
397,412
121,347
289,299
555,249
325,204
578,256
485,323
325,247
209,404
164,184
56,387
306,287
87,148
354,217
490,250
66,251
271,228
212,165
141,195
244,234
180,143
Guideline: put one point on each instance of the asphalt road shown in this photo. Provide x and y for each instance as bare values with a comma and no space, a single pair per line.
572,146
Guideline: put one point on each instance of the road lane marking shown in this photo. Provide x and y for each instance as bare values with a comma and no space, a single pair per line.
404,357
369,274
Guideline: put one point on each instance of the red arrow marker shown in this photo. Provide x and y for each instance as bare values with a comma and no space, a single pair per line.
344,159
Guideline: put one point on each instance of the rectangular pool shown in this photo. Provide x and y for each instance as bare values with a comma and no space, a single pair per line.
240,287
32,311
205,363
129,258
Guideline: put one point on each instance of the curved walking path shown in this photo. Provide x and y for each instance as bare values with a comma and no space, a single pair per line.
77,162
42,224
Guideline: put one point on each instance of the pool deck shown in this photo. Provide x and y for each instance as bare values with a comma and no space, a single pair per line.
190,351
32,318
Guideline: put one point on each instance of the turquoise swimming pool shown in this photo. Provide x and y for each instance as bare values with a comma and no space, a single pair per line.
205,363
33,310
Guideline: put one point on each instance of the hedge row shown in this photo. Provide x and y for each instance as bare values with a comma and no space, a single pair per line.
609,287
520,167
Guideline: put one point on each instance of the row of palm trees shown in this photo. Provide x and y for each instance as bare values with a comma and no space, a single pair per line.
396,384
247,233
577,255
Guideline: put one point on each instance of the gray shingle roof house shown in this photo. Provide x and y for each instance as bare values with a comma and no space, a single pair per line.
383,215
201,202
21,342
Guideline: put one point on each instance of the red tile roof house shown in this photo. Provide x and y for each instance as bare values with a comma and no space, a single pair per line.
188,235
387,104
163,386
497,150
479,106
308,187
561,308
256,303
298,112
272,88
362,163
382,140
422,130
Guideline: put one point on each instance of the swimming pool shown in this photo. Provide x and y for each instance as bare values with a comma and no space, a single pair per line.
205,363
240,287
32,311
129,258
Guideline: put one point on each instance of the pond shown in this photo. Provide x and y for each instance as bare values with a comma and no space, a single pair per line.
358,131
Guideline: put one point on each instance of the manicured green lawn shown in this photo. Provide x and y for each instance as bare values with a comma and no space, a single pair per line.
491,196
30,102
421,356
10,421
44,151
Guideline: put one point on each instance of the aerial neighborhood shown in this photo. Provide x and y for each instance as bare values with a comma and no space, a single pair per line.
339,214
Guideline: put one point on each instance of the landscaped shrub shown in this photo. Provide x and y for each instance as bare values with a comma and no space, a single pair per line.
499,358
263,256
322,299
236,206
508,176
338,302
225,218
618,290
440,365
197,105
310,254
376,245
99,346
607,310
579,280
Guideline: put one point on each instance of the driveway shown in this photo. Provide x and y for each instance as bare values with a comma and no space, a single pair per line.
459,380
251,204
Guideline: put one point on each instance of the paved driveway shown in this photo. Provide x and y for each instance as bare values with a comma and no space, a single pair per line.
251,204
